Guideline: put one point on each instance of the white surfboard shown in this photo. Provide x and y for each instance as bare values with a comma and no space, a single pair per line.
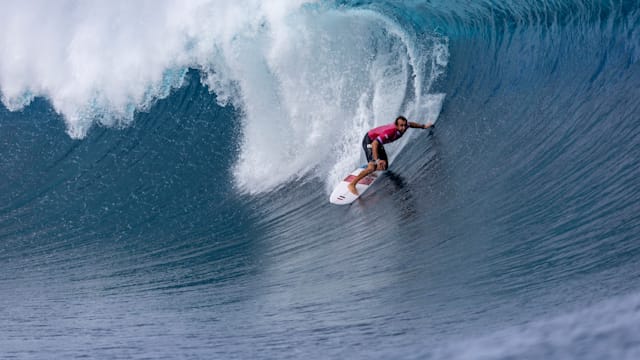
341,194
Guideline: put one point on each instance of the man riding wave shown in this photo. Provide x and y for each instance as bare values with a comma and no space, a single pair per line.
373,146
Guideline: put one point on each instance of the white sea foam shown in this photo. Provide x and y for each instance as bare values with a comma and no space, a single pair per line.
309,79
607,330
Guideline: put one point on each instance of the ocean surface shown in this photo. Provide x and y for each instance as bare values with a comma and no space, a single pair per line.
165,169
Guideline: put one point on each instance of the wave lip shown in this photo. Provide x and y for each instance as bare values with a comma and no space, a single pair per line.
96,63
308,78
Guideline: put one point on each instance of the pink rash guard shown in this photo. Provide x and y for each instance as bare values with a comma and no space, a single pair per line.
385,134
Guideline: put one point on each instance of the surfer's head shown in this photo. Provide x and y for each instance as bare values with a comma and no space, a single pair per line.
401,123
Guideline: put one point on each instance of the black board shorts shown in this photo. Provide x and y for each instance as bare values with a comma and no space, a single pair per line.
368,150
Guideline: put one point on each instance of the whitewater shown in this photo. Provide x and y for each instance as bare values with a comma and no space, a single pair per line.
165,169
298,79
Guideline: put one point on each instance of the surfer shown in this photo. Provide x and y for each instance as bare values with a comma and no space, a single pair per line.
373,145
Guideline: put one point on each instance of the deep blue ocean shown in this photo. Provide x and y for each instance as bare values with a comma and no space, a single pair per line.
165,169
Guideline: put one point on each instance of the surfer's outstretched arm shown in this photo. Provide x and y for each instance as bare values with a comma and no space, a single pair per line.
415,125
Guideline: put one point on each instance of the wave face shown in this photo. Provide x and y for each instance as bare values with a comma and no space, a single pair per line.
165,172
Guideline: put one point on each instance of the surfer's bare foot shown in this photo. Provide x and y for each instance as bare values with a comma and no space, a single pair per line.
352,188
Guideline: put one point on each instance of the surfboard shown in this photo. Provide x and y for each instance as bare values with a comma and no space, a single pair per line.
341,194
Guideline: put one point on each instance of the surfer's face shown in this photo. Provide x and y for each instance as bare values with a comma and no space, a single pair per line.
401,125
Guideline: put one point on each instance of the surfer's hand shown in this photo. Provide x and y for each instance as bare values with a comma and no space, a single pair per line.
382,165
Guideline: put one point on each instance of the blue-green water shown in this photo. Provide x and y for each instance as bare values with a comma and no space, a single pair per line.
165,173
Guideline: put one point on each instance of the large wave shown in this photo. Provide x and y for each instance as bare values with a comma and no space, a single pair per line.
509,231
308,78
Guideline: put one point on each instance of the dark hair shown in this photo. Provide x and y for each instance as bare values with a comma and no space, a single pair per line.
400,118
